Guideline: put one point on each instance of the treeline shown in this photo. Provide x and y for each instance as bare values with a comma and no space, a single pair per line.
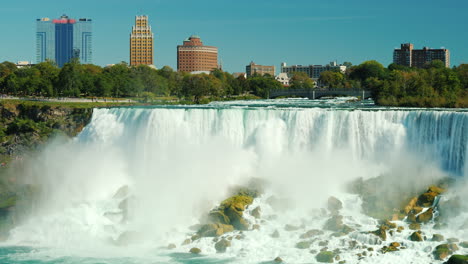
121,80
432,86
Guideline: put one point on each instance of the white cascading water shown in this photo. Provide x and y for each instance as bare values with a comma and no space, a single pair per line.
180,162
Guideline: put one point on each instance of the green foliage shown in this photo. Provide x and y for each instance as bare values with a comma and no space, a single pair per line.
300,80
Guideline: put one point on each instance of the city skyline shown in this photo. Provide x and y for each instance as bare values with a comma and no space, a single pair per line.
268,33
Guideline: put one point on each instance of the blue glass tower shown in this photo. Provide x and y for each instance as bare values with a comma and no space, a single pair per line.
62,39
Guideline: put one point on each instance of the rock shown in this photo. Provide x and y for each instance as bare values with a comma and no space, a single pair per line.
442,251
195,250
381,232
464,244
458,259
416,236
337,258
411,217
256,212
195,237
303,244
256,227
230,212
427,199
186,242
395,244
416,210
171,246
400,229
214,230
453,240
352,244
289,227
323,243
334,205
311,233
335,223
325,257
415,226
278,260
222,245
389,224
436,189
121,193
410,205
437,237
425,217
439,226
275,234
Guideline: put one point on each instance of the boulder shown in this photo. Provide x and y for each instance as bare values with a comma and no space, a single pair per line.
411,204
256,212
400,229
427,199
416,236
464,244
414,226
389,224
453,240
171,246
222,245
186,242
381,232
275,234
214,230
334,205
303,244
230,212
311,233
437,237
425,217
442,251
278,260
256,227
325,257
195,250
458,259
335,223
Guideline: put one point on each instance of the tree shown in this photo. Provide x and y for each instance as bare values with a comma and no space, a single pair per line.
331,78
70,79
300,80
366,70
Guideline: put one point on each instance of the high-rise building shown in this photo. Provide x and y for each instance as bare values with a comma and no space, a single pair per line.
141,42
408,56
193,56
253,68
62,39
313,71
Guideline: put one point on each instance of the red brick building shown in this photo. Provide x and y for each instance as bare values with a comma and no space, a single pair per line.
194,56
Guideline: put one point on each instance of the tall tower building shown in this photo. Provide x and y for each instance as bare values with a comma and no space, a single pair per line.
62,39
194,56
141,42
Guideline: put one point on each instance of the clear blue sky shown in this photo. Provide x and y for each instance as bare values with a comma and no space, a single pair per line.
267,32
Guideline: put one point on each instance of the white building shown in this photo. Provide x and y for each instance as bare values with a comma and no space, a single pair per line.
283,78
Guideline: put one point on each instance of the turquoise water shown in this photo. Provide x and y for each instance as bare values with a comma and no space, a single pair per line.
179,161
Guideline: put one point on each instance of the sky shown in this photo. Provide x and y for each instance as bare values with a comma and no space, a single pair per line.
267,32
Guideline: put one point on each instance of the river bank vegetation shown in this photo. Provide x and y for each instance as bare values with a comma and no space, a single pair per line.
433,86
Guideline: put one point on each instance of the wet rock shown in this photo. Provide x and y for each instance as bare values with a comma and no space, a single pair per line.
425,217
311,233
278,260
442,251
186,242
415,226
214,230
303,244
427,199
222,245
256,227
195,250
342,262
458,259
334,205
352,244
416,210
256,212
400,229
389,224
195,237
416,236
313,251
323,243
464,244
411,204
335,223
439,226
437,237
171,246
325,257
275,234
381,232
230,212
453,240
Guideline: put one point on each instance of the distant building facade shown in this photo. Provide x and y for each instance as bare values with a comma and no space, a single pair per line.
141,42
283,78
193,56
313,71
253,68
406,55
62,39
